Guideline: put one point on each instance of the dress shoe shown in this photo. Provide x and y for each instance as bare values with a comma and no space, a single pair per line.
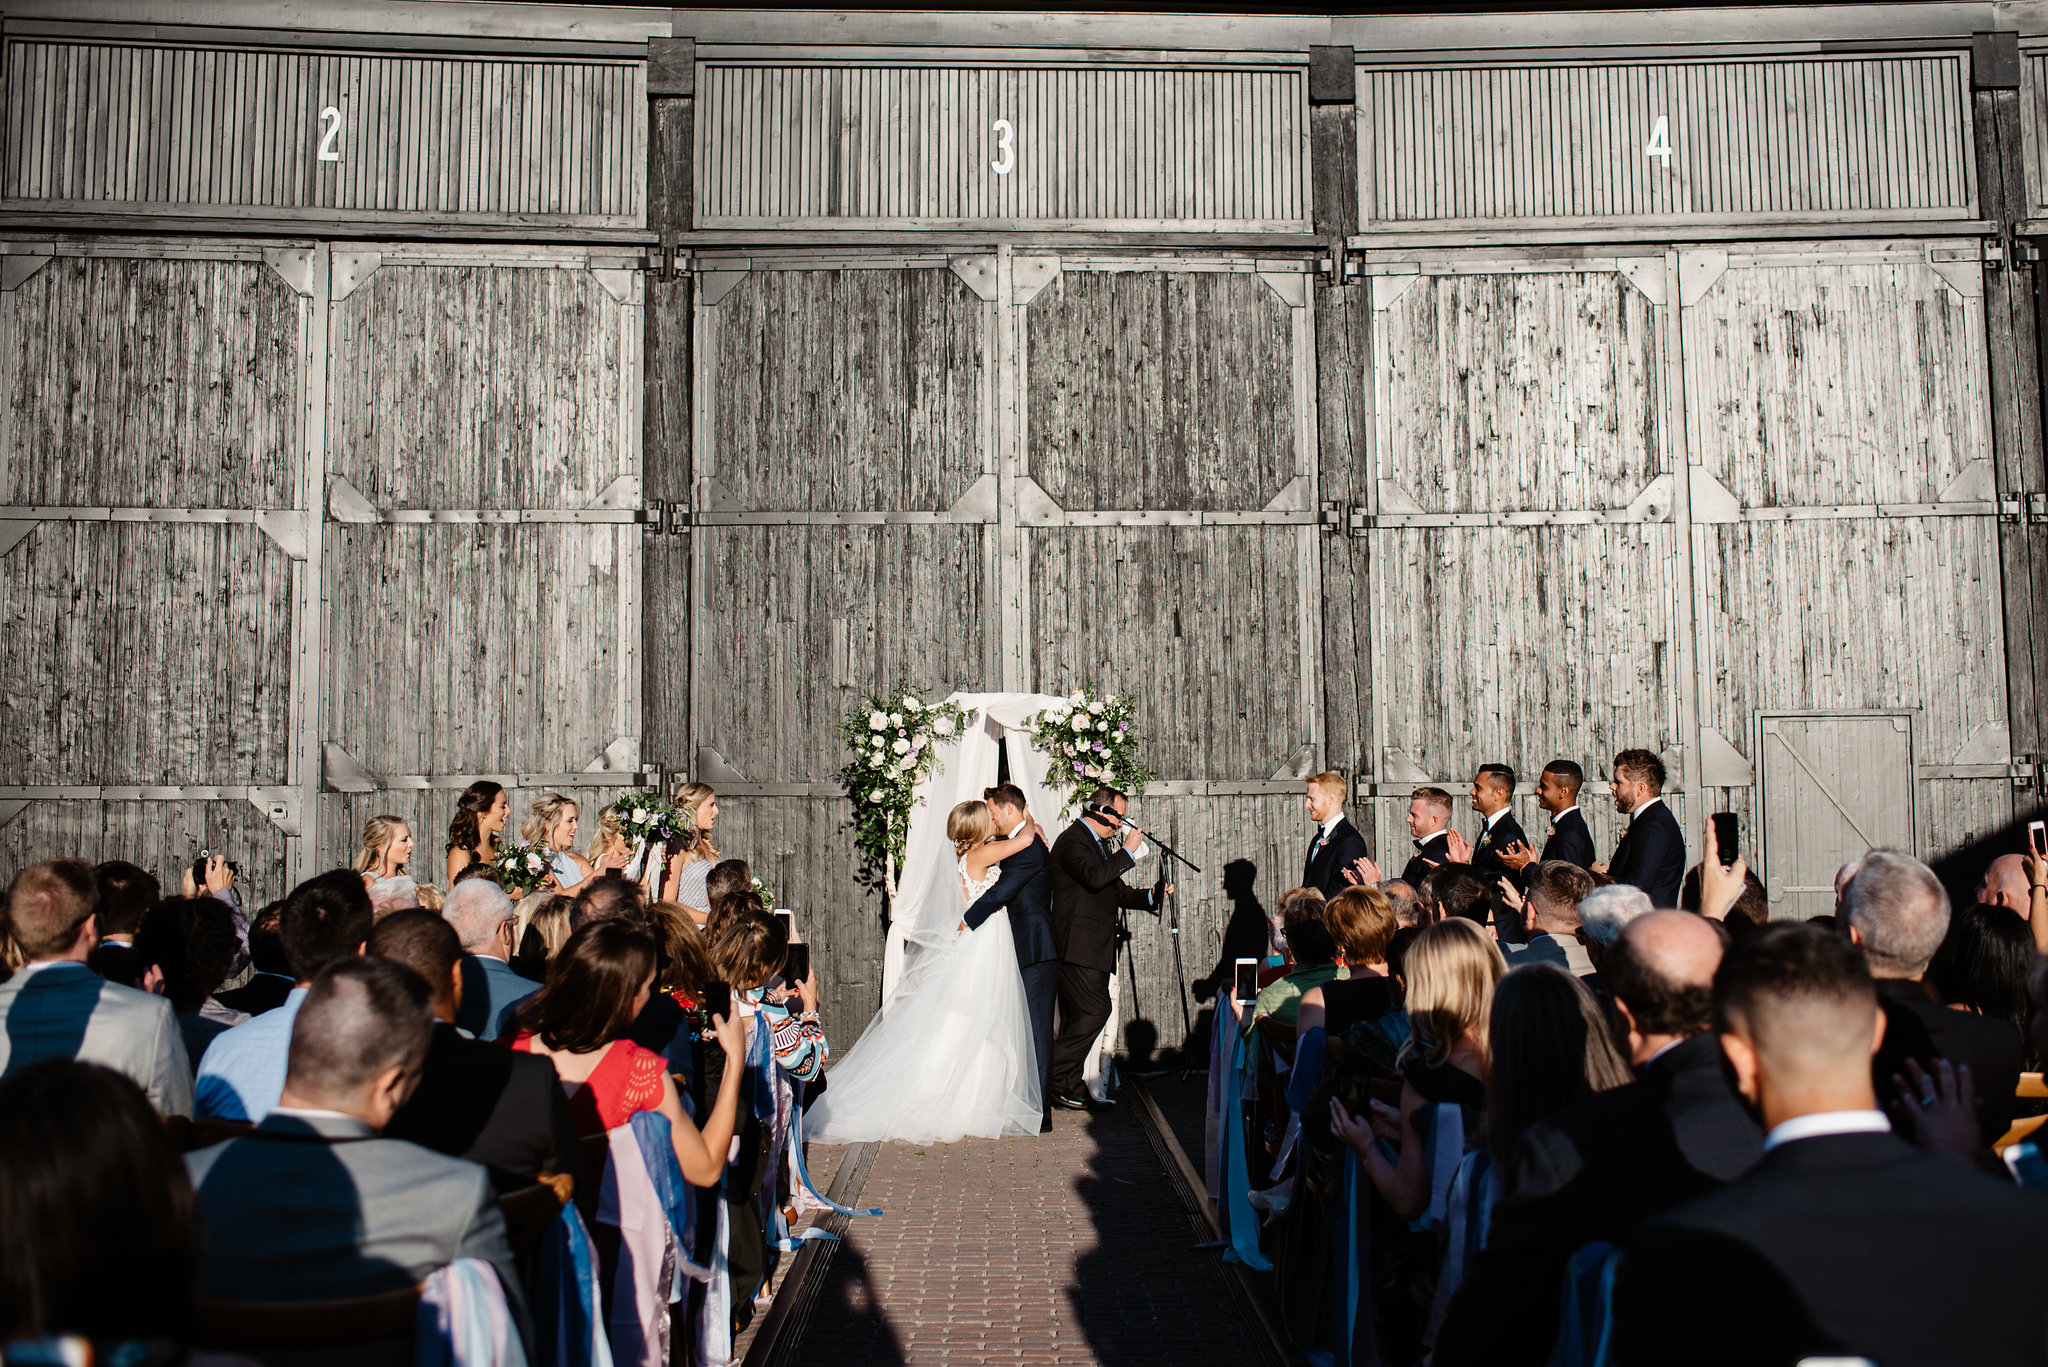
1067,1101
1045,1123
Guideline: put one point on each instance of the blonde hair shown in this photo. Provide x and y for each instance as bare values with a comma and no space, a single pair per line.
690,797
378,833
968,825
430,898
548,914
1450,970
1434,797
547,814
1331,782
602,833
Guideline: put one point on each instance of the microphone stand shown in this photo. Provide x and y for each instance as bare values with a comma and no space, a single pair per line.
1172,910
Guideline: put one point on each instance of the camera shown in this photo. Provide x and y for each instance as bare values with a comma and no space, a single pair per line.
199,868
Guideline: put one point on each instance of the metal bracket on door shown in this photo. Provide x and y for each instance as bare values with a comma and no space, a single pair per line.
1350,519
668,517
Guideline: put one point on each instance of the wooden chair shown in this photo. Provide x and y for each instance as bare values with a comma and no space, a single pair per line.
530,1211
251,1326
188,1134
2033,1087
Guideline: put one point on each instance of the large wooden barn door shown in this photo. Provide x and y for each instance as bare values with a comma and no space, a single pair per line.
154,458
1845,520
481,548
843,502
1165,496
1524,567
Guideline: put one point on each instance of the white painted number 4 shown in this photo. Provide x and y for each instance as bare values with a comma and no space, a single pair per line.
332,118
1660,140
1006,154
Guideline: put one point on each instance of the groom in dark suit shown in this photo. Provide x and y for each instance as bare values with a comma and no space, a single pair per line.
1025,889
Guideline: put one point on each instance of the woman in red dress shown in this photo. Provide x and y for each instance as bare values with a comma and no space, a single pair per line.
596,987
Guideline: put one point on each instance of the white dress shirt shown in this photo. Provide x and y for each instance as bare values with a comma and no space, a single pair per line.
1827,1122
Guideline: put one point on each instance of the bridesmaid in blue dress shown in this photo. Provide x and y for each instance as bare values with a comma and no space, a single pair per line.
553,824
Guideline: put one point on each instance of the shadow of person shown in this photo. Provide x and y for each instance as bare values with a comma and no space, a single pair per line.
1245,935
847,1325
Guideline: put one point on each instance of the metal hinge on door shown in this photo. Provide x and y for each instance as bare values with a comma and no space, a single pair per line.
2026,772
666,517
1349,519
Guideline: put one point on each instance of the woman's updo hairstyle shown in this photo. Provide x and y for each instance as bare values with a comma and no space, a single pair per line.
968,825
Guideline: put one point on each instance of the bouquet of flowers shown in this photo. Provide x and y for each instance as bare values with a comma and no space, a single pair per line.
645,815
1090,738
522,867
893,738
766,894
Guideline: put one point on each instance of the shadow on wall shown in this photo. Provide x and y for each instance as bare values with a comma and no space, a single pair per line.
1960,869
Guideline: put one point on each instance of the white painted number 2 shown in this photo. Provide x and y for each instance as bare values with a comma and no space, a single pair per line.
1006,154
1660,140
328,150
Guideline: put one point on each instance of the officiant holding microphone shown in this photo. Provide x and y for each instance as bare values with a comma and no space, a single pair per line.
1089,861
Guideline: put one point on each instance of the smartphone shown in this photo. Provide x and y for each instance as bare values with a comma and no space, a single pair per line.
718,999
797,966
788,919
2037,837
1727,838
1246,988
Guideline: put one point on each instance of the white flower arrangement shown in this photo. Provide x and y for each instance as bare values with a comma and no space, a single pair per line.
890,740
1090,739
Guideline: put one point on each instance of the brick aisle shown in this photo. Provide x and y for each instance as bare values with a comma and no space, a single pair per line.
1066,1248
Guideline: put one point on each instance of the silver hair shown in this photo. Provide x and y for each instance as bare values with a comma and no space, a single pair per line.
398,893
476,909
1898,908
1605,912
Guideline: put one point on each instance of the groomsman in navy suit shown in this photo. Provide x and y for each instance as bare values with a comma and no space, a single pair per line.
1651,852
1493,788
1337,845
1557,792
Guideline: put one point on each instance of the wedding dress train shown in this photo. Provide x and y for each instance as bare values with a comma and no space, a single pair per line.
950,1057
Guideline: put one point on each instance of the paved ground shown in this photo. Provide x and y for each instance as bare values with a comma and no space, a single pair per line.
1068,1248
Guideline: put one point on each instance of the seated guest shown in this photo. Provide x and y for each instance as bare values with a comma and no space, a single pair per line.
483,917
1550,1047
1554,892
1983,966
1604,913
543,930
1361,921
397,893
1844,1240
1594,1170
578,1023
605,897
1451,971
1401,896
749,955
324,921
313,1205
1311,951
729,878
1457,891
1896,909
2004,884
184,948
270,973
478,1101
670,1021
102,1238
56,1007
126,895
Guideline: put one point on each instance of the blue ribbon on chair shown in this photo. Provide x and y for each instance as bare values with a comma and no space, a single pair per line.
678,1198
1586,1329
1240,1222
567,1310
1351,1272
803,1172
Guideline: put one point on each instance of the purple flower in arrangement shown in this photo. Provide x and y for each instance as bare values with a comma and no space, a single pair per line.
1078,766
1098,747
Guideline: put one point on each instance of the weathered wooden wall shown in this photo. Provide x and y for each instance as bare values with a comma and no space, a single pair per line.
149,413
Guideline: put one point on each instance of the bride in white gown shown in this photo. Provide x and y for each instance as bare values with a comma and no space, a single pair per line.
950,1057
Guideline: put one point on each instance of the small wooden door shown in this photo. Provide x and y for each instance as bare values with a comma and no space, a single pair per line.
1834,787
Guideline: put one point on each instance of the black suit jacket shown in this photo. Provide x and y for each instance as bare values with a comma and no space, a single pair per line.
1087,889
1651,855
1849,1245
1486,860
1024,888
1432,853
1323,868
1918,1026
487,1104
1591,1173
1571,841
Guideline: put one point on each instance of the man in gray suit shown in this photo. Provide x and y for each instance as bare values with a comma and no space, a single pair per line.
312,1205
57,1007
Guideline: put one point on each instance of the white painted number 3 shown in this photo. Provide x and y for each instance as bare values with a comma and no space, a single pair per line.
1006,154
1660,140
332,118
